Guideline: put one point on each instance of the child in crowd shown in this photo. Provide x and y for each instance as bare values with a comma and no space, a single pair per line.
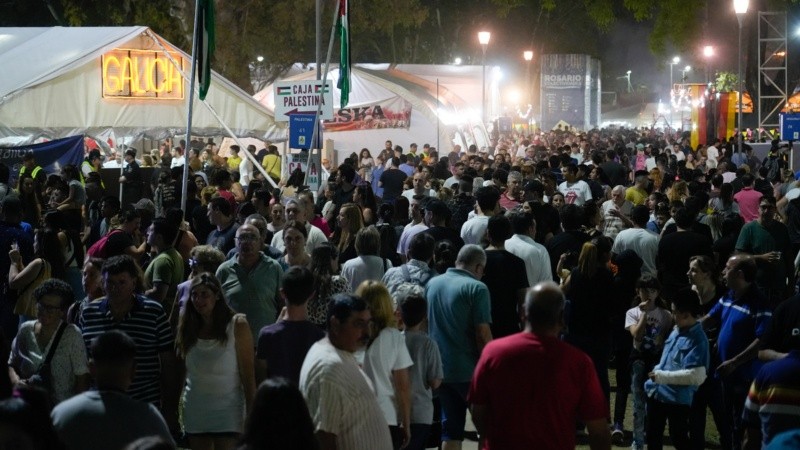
426,373
649,322
683,367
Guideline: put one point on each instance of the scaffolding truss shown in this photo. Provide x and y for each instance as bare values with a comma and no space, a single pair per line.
772,71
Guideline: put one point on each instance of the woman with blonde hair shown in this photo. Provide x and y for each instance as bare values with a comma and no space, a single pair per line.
217,351
387,360
350,222
657,177
678,192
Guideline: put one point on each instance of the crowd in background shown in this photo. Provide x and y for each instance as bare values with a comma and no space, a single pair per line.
412,287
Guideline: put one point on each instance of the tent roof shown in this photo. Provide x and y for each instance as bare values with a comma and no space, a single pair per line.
55,90
372,82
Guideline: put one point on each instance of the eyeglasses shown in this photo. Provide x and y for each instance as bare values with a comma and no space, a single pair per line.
47,309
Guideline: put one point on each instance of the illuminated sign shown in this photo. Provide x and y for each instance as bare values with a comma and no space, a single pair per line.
142,74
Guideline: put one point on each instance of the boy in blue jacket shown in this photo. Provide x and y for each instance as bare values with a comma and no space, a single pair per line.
673,382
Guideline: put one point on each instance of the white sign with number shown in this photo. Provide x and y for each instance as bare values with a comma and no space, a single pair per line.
303,97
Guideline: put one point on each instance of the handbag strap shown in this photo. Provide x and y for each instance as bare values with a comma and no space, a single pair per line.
53,345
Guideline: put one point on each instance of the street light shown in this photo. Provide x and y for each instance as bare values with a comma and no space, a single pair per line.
740,6
528,55
483,39
708,53
675,60
683,73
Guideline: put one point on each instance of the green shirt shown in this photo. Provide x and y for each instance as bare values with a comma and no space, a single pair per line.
254,292
166,268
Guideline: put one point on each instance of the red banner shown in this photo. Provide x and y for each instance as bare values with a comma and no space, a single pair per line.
390,113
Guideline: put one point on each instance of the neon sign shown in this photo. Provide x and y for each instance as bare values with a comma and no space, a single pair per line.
141,74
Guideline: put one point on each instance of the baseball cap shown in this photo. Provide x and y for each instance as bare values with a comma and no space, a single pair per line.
145,204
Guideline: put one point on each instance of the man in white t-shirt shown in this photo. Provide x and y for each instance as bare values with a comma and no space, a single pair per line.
522,245
712,154
417,225
458,172
488,201
339,395
418,183
576,192
639,239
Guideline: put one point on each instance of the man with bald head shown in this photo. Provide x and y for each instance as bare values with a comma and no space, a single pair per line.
251,280
616,213
520,377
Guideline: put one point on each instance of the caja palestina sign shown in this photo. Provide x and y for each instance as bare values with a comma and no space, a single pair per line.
51,156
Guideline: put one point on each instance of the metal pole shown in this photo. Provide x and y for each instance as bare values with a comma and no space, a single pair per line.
438,119
318,26
741,87
190,100
671,86
483,87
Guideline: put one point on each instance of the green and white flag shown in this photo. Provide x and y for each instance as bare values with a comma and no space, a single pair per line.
205,44
344,54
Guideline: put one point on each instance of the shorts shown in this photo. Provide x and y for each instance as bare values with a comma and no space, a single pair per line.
453,397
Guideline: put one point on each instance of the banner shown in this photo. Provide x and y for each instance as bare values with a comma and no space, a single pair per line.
52,156
566,80
389,113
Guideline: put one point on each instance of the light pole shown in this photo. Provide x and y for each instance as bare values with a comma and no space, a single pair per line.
628,78
483,39
740,6
528,55
683,73
675,60
708,53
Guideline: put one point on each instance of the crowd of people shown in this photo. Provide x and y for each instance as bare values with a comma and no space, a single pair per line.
411,289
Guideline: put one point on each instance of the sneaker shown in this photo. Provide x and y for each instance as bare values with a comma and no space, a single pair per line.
617,434
636,446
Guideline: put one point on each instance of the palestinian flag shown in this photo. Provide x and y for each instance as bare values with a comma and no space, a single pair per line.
204,37
344,53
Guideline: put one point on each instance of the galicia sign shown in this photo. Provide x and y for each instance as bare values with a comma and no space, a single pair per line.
302,97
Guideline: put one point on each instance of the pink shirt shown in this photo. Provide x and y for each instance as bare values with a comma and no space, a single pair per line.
748,200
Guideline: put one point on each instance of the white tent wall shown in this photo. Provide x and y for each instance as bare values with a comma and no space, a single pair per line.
370,86
60,93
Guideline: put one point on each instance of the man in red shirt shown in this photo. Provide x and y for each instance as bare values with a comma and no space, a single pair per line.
529,389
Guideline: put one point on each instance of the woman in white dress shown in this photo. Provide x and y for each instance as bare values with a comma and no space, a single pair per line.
216,348
387,360
366,164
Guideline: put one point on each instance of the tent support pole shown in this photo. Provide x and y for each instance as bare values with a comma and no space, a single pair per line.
190,106
247,154
317,122
438,120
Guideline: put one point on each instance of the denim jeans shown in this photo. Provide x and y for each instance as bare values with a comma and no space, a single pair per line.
709,395
658,413
639,371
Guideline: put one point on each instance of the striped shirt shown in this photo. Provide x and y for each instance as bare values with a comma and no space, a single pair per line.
341,399
773,404
147,325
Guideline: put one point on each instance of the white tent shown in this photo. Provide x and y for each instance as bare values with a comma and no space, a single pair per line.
439,116
52,86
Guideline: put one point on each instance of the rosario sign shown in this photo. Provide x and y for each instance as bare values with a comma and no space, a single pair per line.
136,74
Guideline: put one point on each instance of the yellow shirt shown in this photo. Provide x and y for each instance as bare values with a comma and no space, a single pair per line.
233,162
272,164
635,196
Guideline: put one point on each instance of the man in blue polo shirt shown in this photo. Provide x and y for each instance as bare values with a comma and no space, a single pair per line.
742,315
459,318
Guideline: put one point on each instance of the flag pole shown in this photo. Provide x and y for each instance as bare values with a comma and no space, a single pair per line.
315,135
190,102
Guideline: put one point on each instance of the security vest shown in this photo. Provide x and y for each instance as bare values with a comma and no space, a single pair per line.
91,168
34,172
